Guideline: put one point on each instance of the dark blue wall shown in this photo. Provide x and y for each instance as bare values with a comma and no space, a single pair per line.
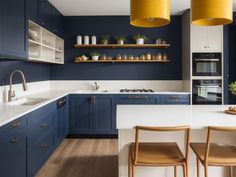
119,25
33,71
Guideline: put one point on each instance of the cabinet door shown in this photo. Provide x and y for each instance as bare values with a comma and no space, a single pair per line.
46,14
104,115
215,38
34,10
13,155
13,29
199,38
80,112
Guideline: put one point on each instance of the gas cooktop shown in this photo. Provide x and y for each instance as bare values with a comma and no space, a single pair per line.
137,90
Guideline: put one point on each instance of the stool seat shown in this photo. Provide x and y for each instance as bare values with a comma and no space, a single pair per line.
219,154
151,154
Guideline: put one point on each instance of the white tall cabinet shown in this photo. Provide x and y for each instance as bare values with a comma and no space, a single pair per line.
198,39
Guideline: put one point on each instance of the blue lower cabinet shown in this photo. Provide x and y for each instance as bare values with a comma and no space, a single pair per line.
41,139
138,99
183,99
92,114
13,155
40,152
104,115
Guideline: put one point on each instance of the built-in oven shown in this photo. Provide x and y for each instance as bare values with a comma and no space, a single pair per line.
207,92
207,64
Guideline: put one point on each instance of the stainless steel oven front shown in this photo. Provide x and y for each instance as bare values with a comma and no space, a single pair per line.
207,64
207,92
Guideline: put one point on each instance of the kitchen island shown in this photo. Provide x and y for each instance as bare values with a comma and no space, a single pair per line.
198,117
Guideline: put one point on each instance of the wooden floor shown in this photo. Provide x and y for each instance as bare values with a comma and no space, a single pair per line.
83,158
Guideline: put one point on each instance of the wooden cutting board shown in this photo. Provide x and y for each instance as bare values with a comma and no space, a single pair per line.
230,112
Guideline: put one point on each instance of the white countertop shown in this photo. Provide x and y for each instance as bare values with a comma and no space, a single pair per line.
196,116
9,113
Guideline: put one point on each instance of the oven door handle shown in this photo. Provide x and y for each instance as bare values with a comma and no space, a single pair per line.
207,60
208,86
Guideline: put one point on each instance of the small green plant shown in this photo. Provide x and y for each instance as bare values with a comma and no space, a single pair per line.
138,36
121,38
232,88
94,54
105,37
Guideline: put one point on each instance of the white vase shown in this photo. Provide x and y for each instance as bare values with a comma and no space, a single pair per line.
94,40
140,41
121,42
79,40
95,58
86,40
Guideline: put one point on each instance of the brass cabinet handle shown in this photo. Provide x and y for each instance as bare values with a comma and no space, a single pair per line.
14,140
175,97
44,125
137,97
93,99
15,125
44,145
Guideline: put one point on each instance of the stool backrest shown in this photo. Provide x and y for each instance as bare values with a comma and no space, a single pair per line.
162,129
209,132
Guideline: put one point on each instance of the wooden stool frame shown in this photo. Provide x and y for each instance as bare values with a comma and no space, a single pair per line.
134,162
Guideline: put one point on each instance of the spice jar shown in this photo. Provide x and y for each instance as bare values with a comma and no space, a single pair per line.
124,57
164,57
159,56
118,57
148,56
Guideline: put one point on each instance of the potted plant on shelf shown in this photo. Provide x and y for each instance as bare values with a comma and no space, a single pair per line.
232,88
95,55
120,39
139,38
105,39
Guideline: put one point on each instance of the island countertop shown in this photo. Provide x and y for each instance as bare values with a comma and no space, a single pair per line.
196,116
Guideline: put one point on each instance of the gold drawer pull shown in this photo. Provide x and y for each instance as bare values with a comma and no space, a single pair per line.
43,125
15,125
44,146
14,140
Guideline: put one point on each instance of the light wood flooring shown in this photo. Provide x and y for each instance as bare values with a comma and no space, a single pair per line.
83,158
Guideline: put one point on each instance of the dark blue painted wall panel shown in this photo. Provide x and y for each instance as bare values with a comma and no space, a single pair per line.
119,25
33,71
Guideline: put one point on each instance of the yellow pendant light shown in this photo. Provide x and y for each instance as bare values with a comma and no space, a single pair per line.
212,12
149,13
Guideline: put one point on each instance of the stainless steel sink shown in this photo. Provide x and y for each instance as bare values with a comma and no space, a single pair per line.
27,101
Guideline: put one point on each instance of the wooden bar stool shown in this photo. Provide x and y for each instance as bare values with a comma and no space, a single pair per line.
212,154
158,154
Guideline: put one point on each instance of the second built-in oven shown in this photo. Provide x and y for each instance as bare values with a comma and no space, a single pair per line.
207,64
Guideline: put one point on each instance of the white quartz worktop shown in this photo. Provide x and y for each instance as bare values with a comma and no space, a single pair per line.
9,113
197,116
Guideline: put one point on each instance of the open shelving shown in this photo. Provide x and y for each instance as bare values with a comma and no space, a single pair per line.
46,47
114,46
122,61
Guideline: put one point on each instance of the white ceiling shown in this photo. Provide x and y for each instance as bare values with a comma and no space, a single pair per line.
109,7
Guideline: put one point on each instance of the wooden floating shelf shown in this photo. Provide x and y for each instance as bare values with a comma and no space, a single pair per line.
160,46
123,61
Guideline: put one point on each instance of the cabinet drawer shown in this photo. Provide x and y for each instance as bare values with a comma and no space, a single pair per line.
42,127
14,126
40,153
175,99
138,99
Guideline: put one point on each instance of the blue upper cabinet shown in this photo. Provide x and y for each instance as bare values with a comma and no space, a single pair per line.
13,29
33,11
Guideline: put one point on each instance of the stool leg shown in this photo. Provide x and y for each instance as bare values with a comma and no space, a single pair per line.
184,170
198,168
231,171
133,170
129,166
206,170
175,171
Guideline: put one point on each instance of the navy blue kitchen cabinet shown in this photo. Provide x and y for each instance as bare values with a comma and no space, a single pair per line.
138,99
34,11
13,148
51,18
13,29
41,140
92,115
179,99
62,119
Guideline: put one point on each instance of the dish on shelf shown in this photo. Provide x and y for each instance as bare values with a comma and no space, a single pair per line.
231,110
33,35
